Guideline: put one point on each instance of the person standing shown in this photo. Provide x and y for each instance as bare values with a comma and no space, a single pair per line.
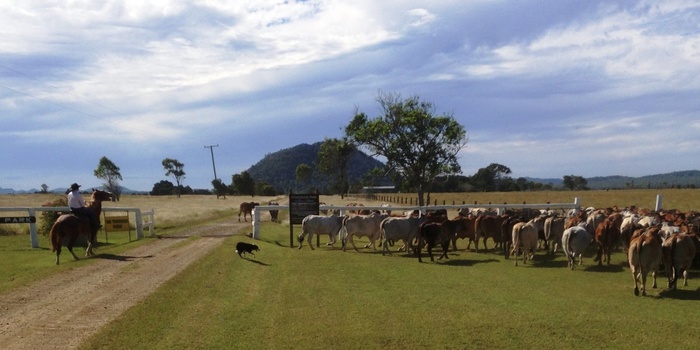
78,207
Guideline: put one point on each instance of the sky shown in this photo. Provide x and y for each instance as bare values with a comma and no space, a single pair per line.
546,88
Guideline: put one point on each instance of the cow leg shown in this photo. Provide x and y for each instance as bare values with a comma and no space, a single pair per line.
685,277
445,248
635,276
653,277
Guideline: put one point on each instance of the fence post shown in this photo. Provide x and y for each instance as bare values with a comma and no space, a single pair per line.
32,230
256,223
139,223
659,199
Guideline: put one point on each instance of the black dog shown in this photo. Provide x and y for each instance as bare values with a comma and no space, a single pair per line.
243,247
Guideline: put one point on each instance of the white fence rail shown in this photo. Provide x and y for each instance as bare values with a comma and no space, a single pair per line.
31,211
576,205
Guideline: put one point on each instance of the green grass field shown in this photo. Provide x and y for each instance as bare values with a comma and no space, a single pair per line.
328,299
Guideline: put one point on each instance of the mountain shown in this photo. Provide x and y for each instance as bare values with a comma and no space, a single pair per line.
279,168
688,178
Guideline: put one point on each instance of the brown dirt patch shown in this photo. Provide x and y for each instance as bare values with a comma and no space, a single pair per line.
62,311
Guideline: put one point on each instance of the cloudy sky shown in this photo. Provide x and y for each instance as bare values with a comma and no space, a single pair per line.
547,88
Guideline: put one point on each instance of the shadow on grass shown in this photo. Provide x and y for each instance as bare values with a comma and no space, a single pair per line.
257,262
468,262
115,257
605,268
680,294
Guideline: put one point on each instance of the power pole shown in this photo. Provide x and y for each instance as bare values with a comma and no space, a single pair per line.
211,148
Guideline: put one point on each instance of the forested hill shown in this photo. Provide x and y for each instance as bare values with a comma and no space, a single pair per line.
688,178
279,168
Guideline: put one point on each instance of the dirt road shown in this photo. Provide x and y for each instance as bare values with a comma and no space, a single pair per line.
63,310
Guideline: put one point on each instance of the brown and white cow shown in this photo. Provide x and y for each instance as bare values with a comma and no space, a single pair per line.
644,257
678,254
553,231
246,208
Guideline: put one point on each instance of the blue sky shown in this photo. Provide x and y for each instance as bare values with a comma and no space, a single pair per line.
547,88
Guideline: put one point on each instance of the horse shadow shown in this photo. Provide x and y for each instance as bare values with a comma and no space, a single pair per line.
115,257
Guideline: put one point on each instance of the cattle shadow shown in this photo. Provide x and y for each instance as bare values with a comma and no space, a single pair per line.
467,262
107,256
615,268
680,294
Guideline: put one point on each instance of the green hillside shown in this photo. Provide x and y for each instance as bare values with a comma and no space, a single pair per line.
279,168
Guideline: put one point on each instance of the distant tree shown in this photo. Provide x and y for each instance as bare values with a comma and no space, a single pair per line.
333,158
44,188
243,184
265,189
175,168
492,178
220,188
303,173
417,144
573,182
163,188
109,172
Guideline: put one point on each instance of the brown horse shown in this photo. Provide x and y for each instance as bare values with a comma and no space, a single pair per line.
68,227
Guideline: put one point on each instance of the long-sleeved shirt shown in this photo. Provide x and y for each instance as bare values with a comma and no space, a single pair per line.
75,199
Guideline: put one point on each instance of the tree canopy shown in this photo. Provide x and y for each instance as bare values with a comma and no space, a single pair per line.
176,169
417,144
109,172
333,158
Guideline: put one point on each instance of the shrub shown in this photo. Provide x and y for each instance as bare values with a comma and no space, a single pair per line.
49,217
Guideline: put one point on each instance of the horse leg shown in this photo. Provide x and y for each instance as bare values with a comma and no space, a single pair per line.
58,253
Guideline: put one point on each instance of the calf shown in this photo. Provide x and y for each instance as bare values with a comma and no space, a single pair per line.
246,208
678,254
644,256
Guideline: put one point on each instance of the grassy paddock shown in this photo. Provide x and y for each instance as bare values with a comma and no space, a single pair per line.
329,299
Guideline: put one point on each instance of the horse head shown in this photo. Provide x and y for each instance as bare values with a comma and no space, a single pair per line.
100,196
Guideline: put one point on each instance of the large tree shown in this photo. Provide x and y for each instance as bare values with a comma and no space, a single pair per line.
417,144
333,158
243,184
303,173
175,169
574,182
109,172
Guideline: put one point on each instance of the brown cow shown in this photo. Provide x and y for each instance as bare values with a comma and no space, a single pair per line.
488,226
468,233
246,208
607,235
678,254
644,256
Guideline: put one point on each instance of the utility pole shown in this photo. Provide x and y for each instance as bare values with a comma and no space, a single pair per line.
211,148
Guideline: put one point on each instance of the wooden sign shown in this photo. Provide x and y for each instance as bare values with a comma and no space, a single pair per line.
117,223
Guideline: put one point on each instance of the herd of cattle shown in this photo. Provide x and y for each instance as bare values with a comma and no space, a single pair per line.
651,239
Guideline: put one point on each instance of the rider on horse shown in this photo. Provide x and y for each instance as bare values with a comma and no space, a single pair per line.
77,207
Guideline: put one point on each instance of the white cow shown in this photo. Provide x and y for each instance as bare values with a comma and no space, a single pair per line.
553,230
394,229
362,225
320,225
575,240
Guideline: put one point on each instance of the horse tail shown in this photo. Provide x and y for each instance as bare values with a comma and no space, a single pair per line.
55,236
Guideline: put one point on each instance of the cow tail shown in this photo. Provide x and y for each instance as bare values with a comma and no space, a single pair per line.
674,240
638,248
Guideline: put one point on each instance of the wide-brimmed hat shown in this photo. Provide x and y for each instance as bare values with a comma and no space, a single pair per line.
74,186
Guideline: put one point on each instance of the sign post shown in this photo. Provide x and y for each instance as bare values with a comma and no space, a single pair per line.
300,206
